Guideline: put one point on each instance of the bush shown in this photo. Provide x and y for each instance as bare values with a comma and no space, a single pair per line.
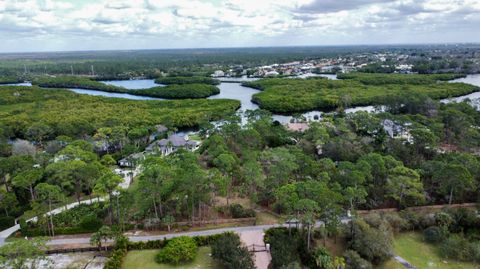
238,211
433,234
230,252
354,261
375,245
475,247
90,223
397,223
456,247
115,260
178,250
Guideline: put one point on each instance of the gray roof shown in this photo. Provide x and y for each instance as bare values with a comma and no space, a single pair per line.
174,140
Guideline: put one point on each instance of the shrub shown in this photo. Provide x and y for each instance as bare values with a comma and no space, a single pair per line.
354,261
238,211
283,246
90,223
178,250
230,252
433,234
456,247
323,259
375,245
397,223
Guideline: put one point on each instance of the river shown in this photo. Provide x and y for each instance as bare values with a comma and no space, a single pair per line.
231,88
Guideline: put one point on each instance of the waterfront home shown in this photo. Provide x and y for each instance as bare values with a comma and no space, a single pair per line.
171,144
397,131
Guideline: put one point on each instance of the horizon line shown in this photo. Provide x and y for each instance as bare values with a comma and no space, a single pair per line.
246,47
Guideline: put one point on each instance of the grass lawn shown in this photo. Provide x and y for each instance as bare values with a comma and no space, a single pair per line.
145,259
411,247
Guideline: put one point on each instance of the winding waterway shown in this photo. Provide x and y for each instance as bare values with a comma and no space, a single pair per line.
231,88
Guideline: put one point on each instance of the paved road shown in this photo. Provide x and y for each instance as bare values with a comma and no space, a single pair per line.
171,235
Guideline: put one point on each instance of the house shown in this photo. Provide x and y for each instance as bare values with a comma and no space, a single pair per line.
131,160
218,73
171,144
397,131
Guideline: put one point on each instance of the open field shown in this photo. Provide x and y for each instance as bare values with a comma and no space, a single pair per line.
145,259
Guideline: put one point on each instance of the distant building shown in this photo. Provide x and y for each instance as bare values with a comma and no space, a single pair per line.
218,73
172,144
271,74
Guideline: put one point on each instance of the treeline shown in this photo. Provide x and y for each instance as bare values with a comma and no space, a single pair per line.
10,80
182,89
297,95
76,82
187,80
175,91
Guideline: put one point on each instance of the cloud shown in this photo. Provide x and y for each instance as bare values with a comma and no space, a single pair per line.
181,23
327,6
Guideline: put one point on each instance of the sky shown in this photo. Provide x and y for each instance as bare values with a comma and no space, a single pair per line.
66,25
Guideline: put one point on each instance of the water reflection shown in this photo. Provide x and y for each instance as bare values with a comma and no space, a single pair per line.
133,84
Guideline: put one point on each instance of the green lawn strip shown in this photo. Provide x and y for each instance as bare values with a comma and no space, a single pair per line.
422,255
145,259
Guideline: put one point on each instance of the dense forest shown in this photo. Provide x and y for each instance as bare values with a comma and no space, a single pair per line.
179,91
285,95
75,82
61,112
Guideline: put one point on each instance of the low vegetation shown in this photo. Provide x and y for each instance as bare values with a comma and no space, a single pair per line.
182,91
10,80
186,80
60,112
76,82
410,79
297,95
191,88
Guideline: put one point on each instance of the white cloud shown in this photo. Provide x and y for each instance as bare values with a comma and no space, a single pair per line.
180,23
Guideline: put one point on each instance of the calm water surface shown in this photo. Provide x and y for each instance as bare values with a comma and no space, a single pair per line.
133,84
